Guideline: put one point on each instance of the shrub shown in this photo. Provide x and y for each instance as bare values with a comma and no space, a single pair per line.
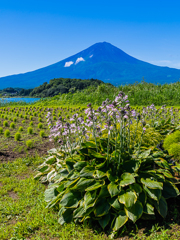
7,133
23,121
5,117
12,125
30,130
174,150
30,118
17,136
31,123
25,116
20,129
40,119
5,124
172,144
29,144
170,139
14,119
34,114
40,125
90,186
54,118
1,130
42,134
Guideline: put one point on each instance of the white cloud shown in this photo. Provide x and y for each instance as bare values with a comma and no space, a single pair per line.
91,56
79,60
68,64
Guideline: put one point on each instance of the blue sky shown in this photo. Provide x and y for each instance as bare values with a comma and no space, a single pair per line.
35,34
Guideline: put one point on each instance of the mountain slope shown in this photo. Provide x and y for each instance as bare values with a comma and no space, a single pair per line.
100,61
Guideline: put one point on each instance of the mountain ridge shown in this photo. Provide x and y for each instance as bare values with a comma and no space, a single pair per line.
101,61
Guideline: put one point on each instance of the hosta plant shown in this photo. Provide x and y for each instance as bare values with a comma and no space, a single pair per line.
103,170
86,186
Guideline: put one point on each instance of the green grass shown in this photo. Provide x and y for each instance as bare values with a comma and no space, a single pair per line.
22,207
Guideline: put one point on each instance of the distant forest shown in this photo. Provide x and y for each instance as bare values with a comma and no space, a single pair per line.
53,88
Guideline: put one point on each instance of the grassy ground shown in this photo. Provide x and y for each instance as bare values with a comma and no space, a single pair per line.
22,208
23,215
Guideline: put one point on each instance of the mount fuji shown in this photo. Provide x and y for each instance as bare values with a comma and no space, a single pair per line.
101,61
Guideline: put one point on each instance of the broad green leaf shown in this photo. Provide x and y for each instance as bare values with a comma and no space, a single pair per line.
55,200
87,172
136,187
83,151
96,154
69,165
71,183
148,209
60,188
95,186
134,212
105,220
104,192
71,199
153,193
43,168
63,172
101,208
113,189
51,174
127,179
158,154
142,197
82,213
163,163
100,173
66,216
51,192
161,207
120,220
132,165
115,203
51,160
167,174
111,177
101,165
128,198
145,154
89,199
169,190
80,165
38,176
151,183
83,183
79,212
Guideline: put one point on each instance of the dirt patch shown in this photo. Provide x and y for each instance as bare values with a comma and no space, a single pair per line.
40,149
13,195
